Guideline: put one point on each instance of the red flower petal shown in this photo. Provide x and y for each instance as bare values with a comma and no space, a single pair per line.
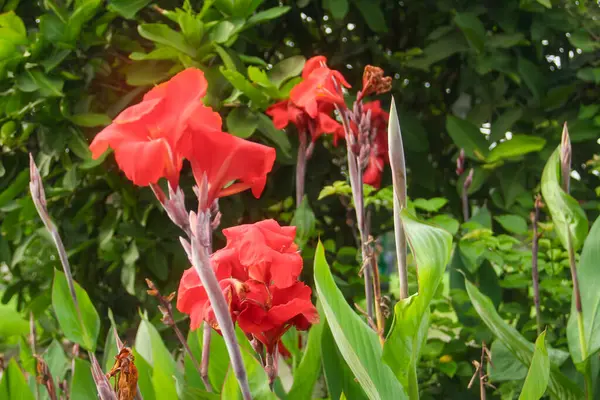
312,64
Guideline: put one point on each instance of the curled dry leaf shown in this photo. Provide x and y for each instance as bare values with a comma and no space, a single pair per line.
125,373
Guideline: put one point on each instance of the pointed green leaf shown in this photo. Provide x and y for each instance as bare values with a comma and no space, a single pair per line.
82,384
309,369
431,248
472,28
518,146
161,33
536,381
588,274
85,332
559,385
13,385
357,342
567,215
467,136
127,8
267,15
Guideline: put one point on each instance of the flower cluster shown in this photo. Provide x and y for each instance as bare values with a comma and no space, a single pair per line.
258,273
151,139
313,100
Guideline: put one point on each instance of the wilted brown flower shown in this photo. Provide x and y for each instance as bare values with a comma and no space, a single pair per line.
126,374
375,82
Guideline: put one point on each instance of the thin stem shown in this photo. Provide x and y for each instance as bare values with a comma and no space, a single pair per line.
32,335
206,356
465,195
39,200
377,290
200,244
301,166
534,264
482,393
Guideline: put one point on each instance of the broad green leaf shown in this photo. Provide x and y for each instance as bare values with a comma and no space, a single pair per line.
431,248
191,374
439,50
90,120
588,274
371,12
545,3
504,123
467,136
57,361
127,8
338,376
33,80
286,69
589,74
505,40
12,29
224,30
513,223
144,377
239,81
570,221
472,28
267,15
82,331
532,76
559,385
337,8
82,384
151,347
277,137
430,205
536,381
508,368
16,187
110,344
305,222
161,53
161,33
357,342
515,147
13,324
309,369
13,385
257,380
242,122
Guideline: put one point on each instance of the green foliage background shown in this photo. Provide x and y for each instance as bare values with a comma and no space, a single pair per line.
465,73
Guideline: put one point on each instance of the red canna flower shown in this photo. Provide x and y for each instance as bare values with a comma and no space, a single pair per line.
318,86
378,156
267,312
230,164
312,64
267,251
146,137
286,112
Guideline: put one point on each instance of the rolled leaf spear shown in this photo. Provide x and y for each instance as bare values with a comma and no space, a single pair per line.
398,166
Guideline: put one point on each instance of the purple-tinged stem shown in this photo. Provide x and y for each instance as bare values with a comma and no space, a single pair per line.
465,195
200,244
39,200
207,333
301,161
105,391
535,217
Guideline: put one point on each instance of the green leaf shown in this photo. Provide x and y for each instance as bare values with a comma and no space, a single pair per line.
532,76
82,384
517,146
430,205
337,8
537,378
286,69
110,344
152,349
277,137
309,369
16,187
371,12
224,30
472,28
57,361
505,40
85,331
357,342
567,215
431,247
504,123
545,3
588,274
13,385
338,376
440,50
239,81
12,29
33,80
513,223
467,136
560,386
127,8
90,120
242,122
305,222
257,380
267,15
589,74
13,324
161,33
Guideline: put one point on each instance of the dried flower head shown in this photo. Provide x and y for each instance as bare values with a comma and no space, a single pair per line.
126,374
375,82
